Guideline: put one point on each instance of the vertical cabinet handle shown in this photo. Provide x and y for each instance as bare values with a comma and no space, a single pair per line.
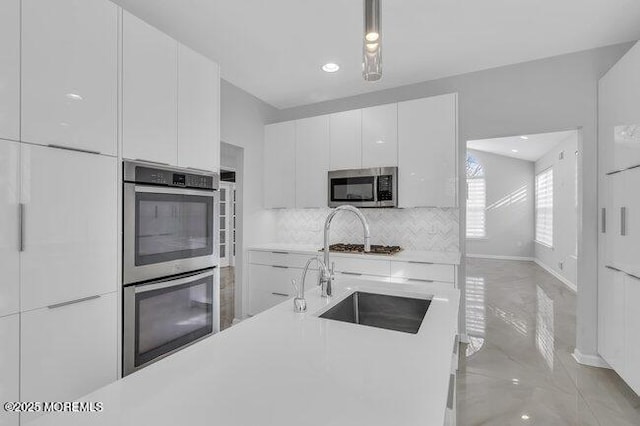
452,391
21,227
623,221
604,220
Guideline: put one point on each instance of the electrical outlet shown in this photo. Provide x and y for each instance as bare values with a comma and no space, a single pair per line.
561,265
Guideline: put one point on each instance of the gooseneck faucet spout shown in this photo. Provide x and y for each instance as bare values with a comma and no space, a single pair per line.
326,281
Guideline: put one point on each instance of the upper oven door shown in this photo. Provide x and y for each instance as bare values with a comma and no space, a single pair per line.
354,187
167,231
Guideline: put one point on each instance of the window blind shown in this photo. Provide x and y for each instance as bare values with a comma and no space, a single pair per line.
476,200
544,207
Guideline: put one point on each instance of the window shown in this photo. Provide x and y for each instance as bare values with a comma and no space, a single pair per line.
476,199
544,207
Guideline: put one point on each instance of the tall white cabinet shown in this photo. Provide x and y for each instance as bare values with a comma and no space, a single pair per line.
9,227
280,165
619,237
9,366
312,161
10,69
70,73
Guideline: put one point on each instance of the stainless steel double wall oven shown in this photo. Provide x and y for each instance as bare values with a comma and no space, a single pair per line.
171,295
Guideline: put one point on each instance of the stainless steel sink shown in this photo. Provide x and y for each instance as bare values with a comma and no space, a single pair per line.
379,310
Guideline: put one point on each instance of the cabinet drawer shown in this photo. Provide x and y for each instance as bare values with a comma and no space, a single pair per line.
280,258
271,284
80,342
361,266
423,271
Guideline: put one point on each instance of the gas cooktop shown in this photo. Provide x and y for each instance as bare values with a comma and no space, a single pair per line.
359,248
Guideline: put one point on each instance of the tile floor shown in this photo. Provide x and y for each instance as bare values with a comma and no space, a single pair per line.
517,368
227,299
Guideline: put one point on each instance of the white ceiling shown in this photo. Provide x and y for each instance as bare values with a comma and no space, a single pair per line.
274,49
530,149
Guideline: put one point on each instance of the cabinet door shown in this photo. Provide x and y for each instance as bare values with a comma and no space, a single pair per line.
627,192
9,366
10,69
427,147
70,225
631,370
70,73
271,285
280,165
380,136
149,93
198,111
346,140
69,351
312,161
9,228
611,317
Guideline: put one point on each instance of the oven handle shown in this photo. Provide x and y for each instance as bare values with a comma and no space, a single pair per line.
143,288
175,191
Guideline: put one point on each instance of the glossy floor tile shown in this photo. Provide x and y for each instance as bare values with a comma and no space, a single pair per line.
227,296
517,368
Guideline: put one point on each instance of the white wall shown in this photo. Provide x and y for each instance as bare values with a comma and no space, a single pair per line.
561,258
546,95
242,120
509,207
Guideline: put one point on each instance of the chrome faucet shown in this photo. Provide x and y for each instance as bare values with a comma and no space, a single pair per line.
299,302
326,279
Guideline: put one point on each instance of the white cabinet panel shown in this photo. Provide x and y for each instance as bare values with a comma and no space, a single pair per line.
427,146
611,317
198,111
9,366
346,140
270,285
354,265
312,161
631,368
69,351
423,271
70,73
70,225
149,93
627,193
280,165
380,136
10,69
9,227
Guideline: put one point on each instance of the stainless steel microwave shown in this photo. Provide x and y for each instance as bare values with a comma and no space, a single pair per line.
374,187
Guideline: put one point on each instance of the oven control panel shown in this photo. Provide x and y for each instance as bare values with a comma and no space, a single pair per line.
171,178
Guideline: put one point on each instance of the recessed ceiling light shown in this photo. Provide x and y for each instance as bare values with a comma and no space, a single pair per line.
380,141
73,96
330,67
524,417
524,137
515,381
514,150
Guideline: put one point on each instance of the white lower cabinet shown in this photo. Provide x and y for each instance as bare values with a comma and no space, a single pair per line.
611,301
631,367
69,350
9,227
70,247
9,366
271,284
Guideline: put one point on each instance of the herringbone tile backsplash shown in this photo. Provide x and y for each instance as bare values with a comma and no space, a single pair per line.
412,229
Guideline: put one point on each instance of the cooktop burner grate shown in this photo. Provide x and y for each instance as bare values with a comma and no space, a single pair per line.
359,248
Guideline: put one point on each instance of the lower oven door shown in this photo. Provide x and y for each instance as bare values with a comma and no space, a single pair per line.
164,316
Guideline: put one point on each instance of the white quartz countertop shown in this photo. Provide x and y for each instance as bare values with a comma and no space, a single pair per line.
444,257
281,368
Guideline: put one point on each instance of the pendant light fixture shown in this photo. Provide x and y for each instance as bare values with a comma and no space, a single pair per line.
372,43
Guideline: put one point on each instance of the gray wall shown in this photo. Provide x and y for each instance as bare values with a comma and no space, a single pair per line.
509,214
242,120
558,93
561,259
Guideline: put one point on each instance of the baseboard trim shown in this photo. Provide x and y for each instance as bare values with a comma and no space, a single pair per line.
565,281
590,360
498,257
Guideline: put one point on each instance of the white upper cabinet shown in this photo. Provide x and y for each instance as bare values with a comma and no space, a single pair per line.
619,113
312,161
69,351
149,93
280,165
9,366
427,146
198,111
346,140
70,73
380,136
10,69
9,227
70,228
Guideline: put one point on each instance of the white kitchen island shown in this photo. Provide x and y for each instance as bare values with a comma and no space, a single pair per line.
283,368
